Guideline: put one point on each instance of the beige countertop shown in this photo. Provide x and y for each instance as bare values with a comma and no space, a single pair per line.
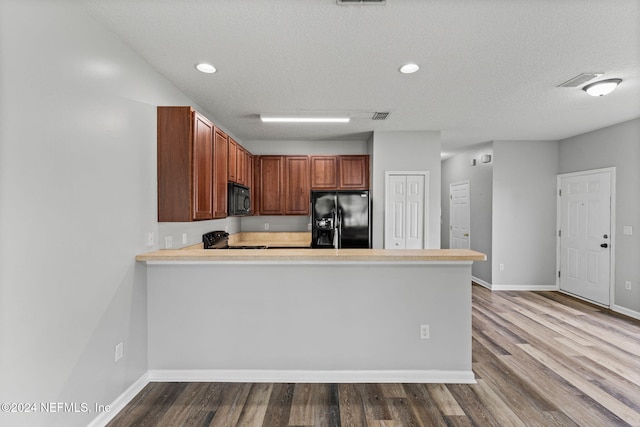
272,239
197,253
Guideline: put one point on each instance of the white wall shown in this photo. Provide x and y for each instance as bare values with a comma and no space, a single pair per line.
524,214
406,151
77,196
617,146
480,177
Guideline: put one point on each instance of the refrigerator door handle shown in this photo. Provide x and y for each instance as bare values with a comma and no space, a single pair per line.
339,229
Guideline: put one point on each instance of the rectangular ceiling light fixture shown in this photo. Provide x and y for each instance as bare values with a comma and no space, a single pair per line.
270,118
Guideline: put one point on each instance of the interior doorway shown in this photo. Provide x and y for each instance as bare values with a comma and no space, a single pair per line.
586,201
459,215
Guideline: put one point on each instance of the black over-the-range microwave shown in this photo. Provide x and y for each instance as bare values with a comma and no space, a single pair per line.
239,200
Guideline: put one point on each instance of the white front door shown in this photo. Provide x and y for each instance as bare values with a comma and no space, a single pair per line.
585,235
459,211
405,211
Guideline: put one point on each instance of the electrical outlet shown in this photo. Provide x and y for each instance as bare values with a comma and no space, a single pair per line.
424,332
309,226
184,238
627,285
501,267
119,351
266,225
151,238
168,242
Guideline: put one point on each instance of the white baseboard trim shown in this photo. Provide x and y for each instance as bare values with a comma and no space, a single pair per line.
303,376
533,288
120,402
625,311
481,282
514,287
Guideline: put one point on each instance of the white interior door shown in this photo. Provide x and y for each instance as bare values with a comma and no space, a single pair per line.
405,211
585,240
459,212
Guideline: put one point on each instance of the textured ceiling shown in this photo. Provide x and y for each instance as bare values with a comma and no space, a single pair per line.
489,68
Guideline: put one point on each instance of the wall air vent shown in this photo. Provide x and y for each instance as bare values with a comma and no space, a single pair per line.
580,79
359,2
380,116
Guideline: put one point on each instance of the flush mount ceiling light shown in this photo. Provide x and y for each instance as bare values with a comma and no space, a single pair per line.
270,118
409,68
206,68
603,87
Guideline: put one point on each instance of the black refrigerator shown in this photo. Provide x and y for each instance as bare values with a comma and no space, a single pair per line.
340,219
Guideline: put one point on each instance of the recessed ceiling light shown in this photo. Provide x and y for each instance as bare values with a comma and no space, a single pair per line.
206,68
603,87
267,118
409,68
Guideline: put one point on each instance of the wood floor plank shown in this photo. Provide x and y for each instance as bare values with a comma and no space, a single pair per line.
351,407
279,406
423,406
445,402
603,398
375,405
540,359
256,405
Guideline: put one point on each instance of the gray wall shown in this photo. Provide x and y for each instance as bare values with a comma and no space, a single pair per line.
480,177
313,316
524,213
617,146
406,151
77,197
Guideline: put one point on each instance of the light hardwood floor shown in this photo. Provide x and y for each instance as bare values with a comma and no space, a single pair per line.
540,359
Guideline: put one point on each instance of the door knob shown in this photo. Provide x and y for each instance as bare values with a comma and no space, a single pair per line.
466,234
604,245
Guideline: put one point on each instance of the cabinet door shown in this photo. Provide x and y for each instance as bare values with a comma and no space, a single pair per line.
324,172
233,156
296,185
202,207
241,168
271,180
248,168
220,172
353,172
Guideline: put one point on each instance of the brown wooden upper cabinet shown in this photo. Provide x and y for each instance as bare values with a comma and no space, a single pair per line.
220,172
283,187
340,172
296,185
271,179
353,172
186,164
324,172
233,160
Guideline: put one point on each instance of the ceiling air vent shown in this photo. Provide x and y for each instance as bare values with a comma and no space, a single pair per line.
361,2
580,79
380,116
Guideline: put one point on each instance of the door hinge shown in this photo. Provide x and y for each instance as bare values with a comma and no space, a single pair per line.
559,233
558,274
560,192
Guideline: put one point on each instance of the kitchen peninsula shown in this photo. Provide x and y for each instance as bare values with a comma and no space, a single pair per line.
310,315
